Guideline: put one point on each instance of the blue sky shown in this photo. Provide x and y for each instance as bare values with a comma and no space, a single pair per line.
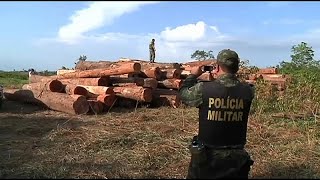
49,35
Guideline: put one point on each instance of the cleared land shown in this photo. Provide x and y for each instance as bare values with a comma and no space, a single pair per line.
141,143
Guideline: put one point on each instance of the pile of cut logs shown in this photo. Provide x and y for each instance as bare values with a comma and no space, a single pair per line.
271,76
94,87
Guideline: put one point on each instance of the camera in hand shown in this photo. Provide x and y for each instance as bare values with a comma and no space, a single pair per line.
208,68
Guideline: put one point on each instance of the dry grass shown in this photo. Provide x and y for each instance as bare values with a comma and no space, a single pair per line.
141,143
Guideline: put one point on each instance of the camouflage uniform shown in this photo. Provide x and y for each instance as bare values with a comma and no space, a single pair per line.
218,161
152,51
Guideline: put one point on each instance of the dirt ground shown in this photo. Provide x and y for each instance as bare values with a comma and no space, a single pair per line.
139,143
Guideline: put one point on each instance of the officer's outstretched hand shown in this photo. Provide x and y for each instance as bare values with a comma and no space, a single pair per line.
197,70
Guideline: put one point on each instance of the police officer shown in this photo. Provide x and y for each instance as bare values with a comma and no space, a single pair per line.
224,104
152,50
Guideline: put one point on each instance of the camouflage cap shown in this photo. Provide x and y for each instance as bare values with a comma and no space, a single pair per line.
228,57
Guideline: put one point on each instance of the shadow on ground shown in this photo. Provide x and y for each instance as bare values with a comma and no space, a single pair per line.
302,171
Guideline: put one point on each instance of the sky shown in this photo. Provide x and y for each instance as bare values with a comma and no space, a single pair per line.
49,35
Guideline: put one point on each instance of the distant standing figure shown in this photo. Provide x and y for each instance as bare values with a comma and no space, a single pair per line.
31,72
152,50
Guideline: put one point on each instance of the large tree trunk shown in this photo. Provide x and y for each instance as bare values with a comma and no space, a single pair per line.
72,104
171,73
98,89
166,97
134,92
89,65
124,68
152,72
170,83
52,85
72,89
99,81
107,99
37,78
63,71
268,71
96,106
147,64
121,80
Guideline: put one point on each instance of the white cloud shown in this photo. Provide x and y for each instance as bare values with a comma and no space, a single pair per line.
98,14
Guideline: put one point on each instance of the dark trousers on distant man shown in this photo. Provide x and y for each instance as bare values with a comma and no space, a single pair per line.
152,56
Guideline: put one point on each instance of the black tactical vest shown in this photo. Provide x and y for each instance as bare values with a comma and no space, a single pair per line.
223,115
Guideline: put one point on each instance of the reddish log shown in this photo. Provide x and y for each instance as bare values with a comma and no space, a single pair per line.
98,89
75,89
72,104
171,73
134,92
124,68
170,83
153,72
268,71
107,99
52,85
101,81
96,106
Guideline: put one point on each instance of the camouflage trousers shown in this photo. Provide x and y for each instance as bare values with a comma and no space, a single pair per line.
220,164
152,56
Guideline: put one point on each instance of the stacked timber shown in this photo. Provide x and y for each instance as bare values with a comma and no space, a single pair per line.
97,86
270,76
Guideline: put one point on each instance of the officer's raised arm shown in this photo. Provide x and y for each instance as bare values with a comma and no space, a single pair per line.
191,90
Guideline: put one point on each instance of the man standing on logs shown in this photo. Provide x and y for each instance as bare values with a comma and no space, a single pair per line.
152,50
224,104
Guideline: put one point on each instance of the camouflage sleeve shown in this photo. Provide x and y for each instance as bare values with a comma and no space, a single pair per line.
191,91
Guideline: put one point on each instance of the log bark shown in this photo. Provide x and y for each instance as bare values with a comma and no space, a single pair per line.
72,89
63,71
170,83
124,68
107,99
150,83
268,71
37,78
52,85
171,73
166,97
147,64
96,106
72,104
121,80
98,90
134,92
153,72
101,81
89,65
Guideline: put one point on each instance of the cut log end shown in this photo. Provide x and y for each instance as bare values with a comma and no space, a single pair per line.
56,86
147,95
107,99
80,91
137,67
80,105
